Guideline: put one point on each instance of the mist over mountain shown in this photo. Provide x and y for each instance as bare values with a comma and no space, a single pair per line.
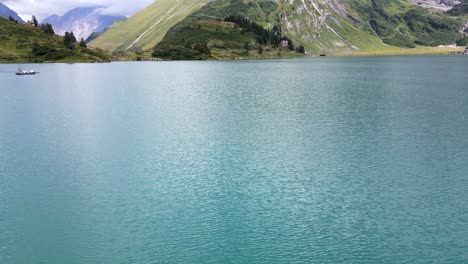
82,21
44,8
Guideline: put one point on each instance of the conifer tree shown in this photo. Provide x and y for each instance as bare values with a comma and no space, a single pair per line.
50,29
69,40
12,19
47,28
300,49
34,21
83,43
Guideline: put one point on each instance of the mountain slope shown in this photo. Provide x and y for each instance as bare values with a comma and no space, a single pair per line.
25,43
402,24
145,29
6,12
460,9
221,30
322,26
82,21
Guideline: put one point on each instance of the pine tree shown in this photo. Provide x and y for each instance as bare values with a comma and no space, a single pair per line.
300,49
47,28
34,21
72,37
50,29
290,45
69,40
83,43
12,19
202,47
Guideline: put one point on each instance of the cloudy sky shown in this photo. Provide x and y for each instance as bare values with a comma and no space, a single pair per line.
44,8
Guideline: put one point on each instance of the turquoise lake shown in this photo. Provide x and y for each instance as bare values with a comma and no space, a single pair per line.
321,160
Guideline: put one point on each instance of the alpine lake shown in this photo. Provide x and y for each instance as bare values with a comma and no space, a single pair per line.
321,160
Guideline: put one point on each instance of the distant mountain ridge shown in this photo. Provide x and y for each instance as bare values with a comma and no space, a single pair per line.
6,12
82,21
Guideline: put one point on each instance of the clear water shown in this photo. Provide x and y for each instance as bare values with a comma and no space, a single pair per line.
331,160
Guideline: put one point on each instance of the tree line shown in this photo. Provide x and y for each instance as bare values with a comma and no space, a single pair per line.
69,40
264,36
12,19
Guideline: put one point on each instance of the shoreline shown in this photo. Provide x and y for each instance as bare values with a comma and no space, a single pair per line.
418,51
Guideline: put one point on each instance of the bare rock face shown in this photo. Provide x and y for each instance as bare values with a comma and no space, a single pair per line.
321,17
439,5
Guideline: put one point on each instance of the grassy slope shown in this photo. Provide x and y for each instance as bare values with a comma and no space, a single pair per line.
150,24
460,9
346,27
16,41
225,39
332,34
392,50
326,27
402,24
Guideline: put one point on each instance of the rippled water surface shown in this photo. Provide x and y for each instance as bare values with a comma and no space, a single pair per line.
330,160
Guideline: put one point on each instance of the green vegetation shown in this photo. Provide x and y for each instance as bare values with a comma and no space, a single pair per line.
83,43
176,29
322,28
145,29
401,24
392,50
263,36
27,43
93,36
460,9
34,21
12,19
69,40
47,28
224,32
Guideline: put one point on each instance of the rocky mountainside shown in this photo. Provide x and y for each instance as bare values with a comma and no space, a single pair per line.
322,26
82,21
6,12
440,5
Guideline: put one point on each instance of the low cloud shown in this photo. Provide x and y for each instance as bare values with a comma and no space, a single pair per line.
43,8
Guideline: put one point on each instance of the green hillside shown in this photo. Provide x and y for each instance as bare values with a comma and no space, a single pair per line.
26,43
324,28
227,29
331,27
401,24
145,29
460,9
228,43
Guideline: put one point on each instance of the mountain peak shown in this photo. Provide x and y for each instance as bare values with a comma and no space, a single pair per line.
6,12
83,21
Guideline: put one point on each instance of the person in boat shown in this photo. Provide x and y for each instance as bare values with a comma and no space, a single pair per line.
31,71
20,70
